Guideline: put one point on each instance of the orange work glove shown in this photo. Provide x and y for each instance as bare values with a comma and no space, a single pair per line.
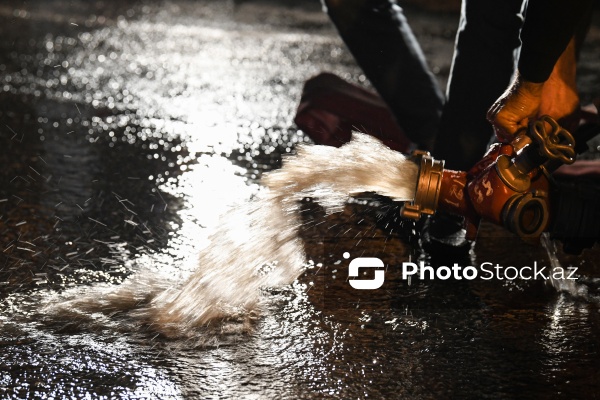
524,101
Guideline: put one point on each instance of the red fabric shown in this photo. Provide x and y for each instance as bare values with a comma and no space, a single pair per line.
584,168
581,168
331,108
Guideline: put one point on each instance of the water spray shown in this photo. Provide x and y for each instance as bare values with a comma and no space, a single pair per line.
509,186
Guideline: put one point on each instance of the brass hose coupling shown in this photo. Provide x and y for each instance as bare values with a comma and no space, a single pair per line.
427,191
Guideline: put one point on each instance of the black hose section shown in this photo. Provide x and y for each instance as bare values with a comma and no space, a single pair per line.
575,212
584,134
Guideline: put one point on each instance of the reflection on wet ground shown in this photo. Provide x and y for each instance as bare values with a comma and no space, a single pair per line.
125,130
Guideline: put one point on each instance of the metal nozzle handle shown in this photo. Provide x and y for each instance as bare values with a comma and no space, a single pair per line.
556,144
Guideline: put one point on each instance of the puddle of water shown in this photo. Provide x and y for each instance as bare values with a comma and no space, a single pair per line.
158,118
255,245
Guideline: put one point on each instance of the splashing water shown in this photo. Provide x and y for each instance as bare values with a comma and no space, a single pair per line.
255,246
561,285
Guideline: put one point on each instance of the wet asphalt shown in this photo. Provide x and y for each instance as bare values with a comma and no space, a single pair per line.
126,128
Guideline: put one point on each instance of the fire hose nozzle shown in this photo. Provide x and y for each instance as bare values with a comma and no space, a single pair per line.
509,186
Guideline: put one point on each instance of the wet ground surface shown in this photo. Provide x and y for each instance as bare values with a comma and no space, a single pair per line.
125,130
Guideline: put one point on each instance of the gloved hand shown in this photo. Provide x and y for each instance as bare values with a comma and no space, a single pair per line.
524,100
560,99
515,108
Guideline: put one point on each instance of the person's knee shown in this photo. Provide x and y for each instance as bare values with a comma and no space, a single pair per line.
332,3
344,13
359,4
494,23
343,4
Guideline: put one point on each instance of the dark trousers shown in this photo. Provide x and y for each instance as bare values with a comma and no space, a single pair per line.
454,127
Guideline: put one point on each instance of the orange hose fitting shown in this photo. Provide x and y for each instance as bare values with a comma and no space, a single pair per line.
509,186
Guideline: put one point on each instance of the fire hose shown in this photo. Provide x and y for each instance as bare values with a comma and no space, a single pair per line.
512,186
